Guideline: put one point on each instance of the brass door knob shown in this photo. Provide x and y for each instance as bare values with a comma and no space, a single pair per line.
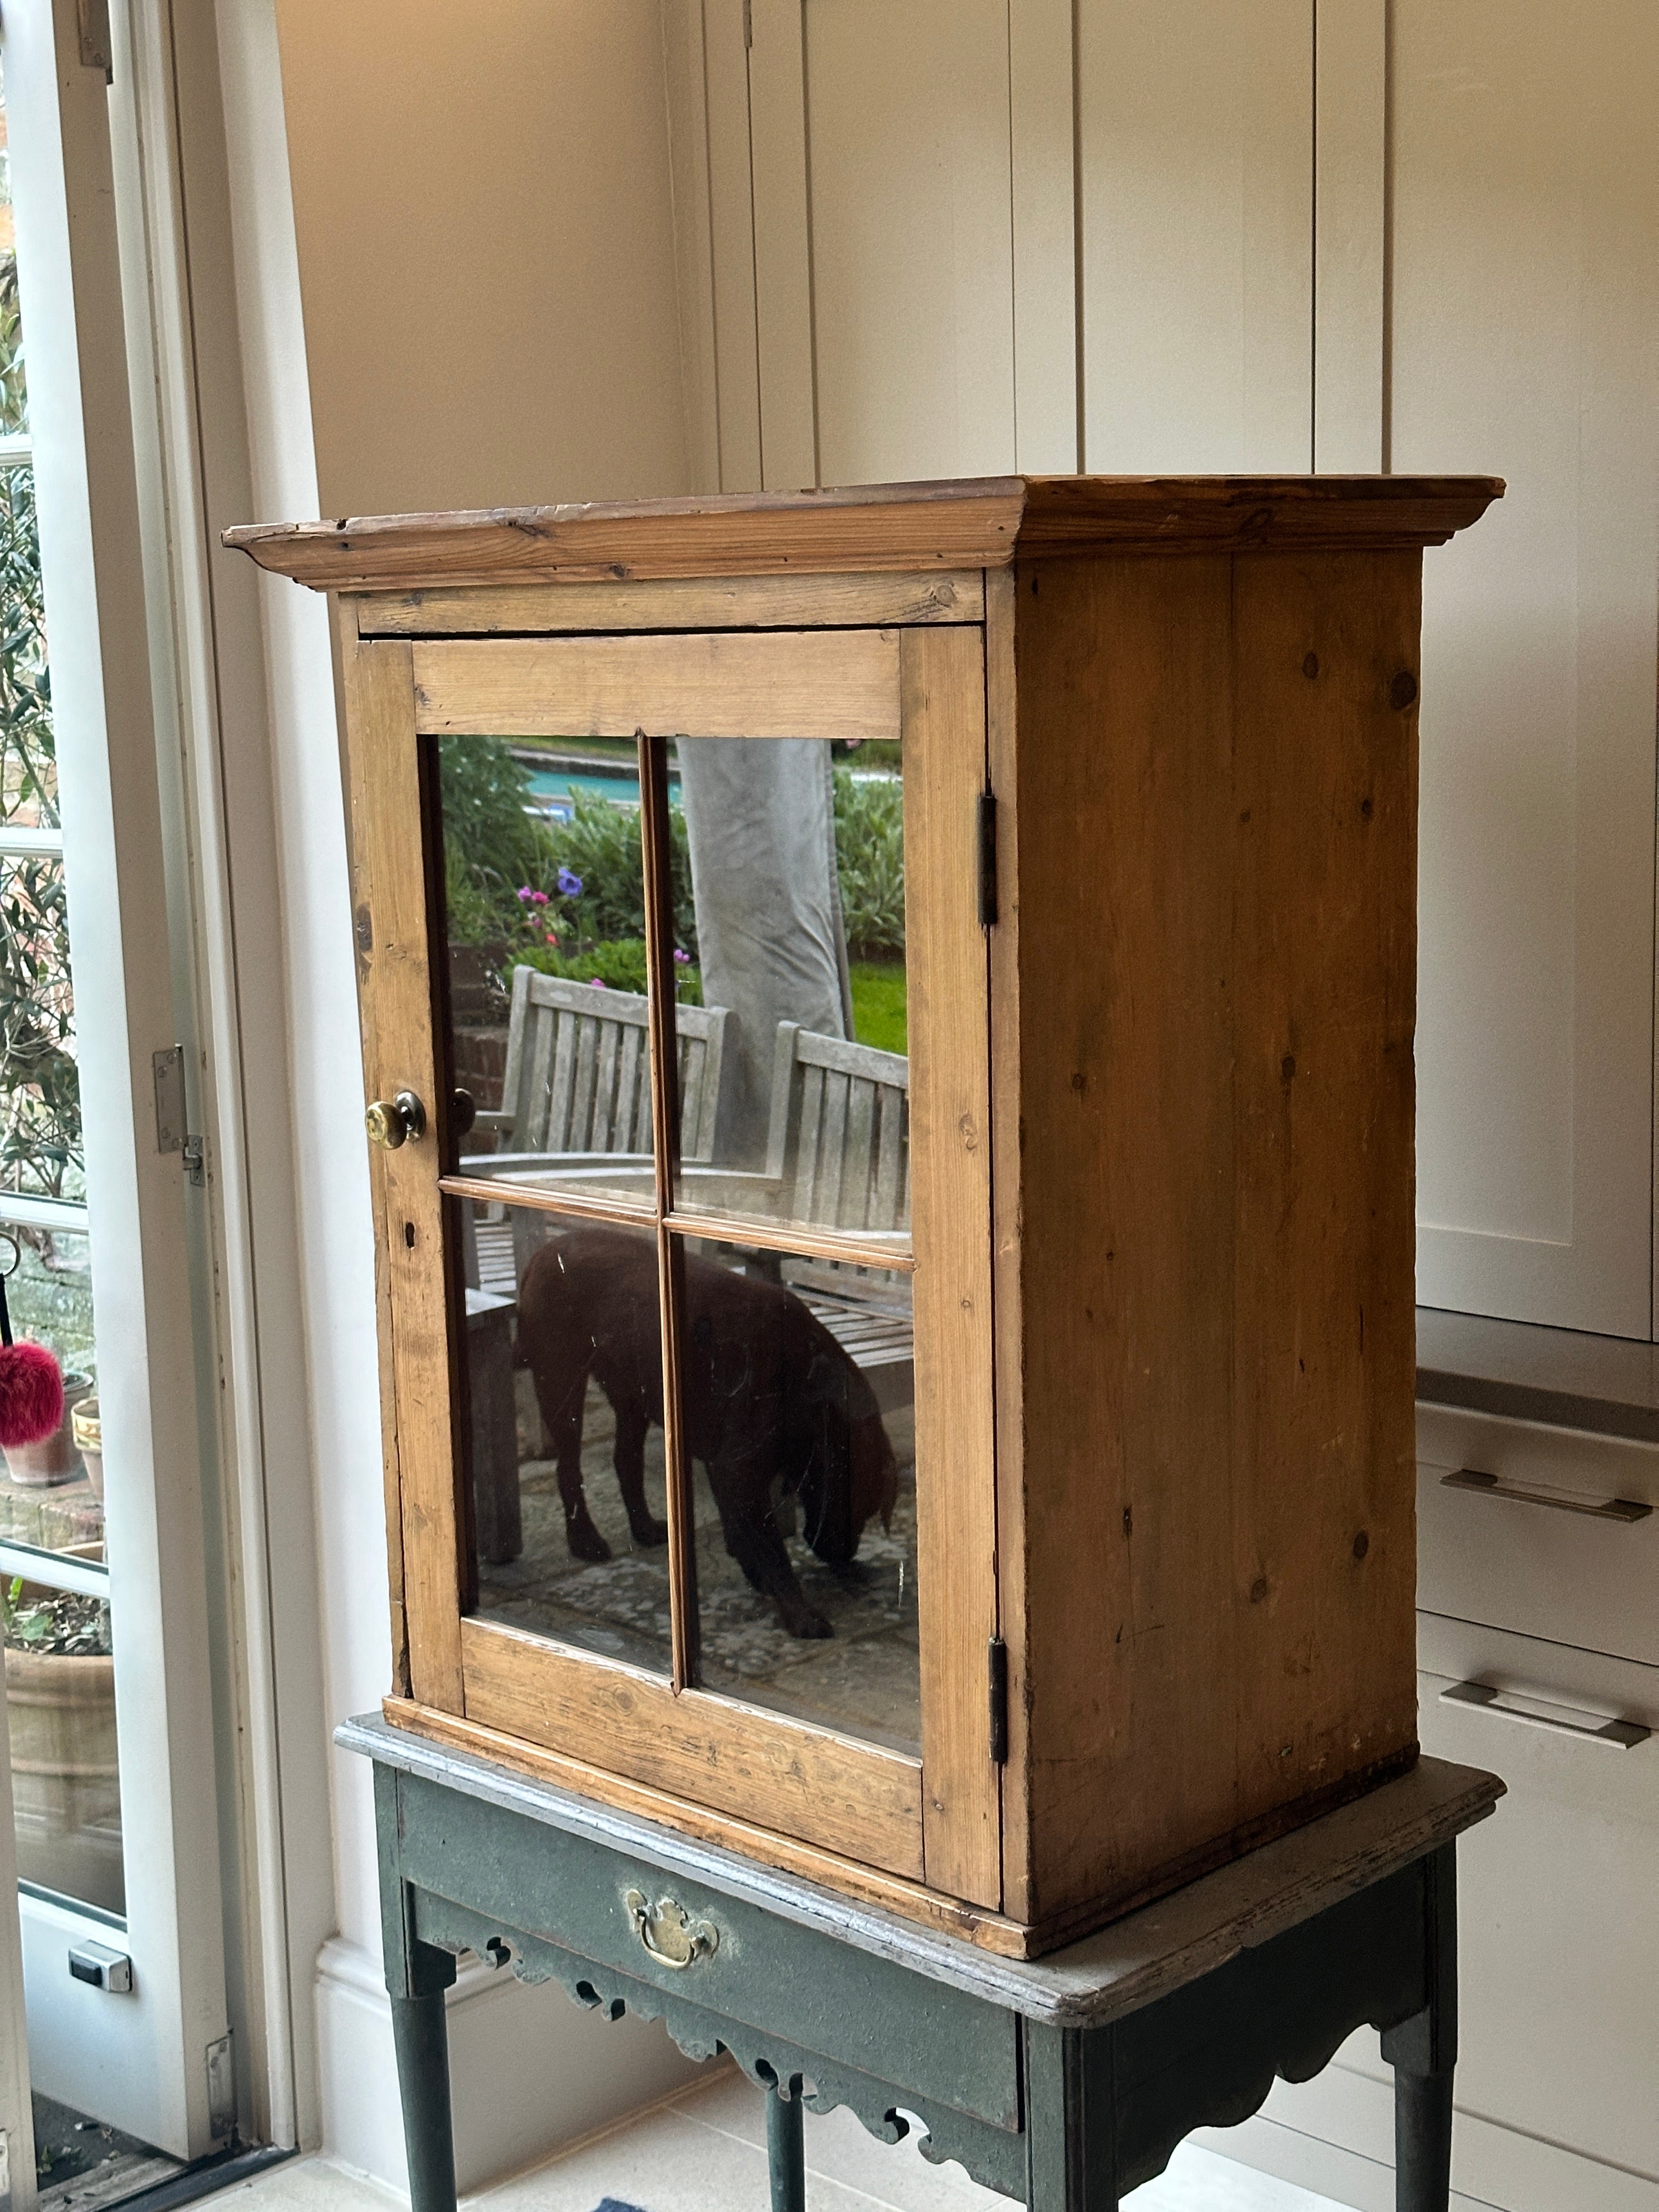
394,1123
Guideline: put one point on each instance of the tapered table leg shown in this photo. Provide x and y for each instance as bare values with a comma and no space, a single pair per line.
1422,2051
785,2152
421,2044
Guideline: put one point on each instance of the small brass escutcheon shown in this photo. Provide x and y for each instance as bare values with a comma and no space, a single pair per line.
668,1931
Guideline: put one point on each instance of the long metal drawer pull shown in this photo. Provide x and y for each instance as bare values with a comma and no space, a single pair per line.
669,1933
1621,1735
1600,1508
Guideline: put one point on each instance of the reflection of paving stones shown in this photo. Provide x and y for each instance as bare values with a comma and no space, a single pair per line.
866,1677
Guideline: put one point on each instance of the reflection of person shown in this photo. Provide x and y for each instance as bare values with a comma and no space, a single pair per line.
760,821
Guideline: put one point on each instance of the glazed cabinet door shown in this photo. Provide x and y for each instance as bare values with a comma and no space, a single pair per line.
681,1078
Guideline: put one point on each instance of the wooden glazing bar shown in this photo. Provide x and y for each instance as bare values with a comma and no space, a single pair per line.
658,850
808,1240
498,1191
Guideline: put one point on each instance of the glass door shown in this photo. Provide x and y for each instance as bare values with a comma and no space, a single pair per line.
709,1178
102,1578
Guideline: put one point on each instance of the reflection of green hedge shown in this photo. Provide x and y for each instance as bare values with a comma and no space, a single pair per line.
494,852
870,862
619,965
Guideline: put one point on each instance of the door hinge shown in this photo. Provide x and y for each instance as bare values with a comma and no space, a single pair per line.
997,1659
171,1113
987,860
222,2087
97,52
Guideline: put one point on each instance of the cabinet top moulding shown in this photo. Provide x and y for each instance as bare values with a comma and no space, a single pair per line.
972,523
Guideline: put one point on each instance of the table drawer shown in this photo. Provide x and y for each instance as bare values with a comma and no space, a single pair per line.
1529,1564
1558,1936
487,1869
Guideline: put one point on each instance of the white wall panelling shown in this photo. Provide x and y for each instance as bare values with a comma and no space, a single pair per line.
1350,53
783,245
1043,133
1525,331
1196,135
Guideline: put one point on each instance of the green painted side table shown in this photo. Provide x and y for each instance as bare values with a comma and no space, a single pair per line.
1063,2083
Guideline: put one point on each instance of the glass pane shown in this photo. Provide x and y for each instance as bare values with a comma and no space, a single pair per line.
564,1368
544,886
796,939
60,1676
797,1395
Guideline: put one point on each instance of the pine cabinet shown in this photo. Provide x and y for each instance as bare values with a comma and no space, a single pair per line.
897,1331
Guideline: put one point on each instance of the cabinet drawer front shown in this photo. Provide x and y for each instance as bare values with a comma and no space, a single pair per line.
1558,1938
505,1871
1534,1567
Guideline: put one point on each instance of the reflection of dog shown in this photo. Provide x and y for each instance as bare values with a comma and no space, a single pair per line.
768,1392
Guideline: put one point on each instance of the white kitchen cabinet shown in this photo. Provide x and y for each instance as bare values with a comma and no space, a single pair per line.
1523,337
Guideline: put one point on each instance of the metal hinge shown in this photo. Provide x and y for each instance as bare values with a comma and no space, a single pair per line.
171,1113
222,2087
997,1671
987,860
97,50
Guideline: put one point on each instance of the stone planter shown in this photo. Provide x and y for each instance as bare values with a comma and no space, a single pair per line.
87,1432
55,1458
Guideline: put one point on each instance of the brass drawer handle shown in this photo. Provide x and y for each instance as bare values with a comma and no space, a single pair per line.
669,1933
1621,1735
1600,1508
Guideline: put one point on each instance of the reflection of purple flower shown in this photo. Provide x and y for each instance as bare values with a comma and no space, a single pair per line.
682,957
570,885
596,983
525,894
538,898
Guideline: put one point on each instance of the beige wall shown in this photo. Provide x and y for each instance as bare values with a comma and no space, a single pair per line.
454,170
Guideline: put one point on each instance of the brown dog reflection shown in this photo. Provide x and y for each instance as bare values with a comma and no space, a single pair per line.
767,1392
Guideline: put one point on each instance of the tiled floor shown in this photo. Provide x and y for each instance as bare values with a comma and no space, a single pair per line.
706,2151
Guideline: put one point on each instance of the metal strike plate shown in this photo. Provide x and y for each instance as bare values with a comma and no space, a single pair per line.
669,1933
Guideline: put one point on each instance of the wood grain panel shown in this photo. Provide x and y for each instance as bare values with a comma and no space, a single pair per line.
680,603
396,979
782,684
1324,968
944,693
855,1799
1124,982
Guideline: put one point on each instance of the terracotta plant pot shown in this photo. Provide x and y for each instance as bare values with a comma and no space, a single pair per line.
55,1458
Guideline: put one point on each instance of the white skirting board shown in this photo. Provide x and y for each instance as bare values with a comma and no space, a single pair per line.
529,2069
1335,2135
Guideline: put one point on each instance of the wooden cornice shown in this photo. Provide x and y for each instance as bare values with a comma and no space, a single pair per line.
971,523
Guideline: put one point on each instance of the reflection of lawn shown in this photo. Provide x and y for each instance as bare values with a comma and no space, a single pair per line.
878,1013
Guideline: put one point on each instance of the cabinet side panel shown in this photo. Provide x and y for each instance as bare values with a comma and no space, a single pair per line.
396,981
943,696
1123,685
1324,1480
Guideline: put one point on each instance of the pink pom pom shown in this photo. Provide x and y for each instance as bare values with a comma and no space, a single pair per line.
31,1393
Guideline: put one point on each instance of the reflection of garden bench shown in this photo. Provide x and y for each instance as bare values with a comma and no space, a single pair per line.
577,1092
839,1154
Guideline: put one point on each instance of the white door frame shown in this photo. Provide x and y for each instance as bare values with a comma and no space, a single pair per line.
149,2051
